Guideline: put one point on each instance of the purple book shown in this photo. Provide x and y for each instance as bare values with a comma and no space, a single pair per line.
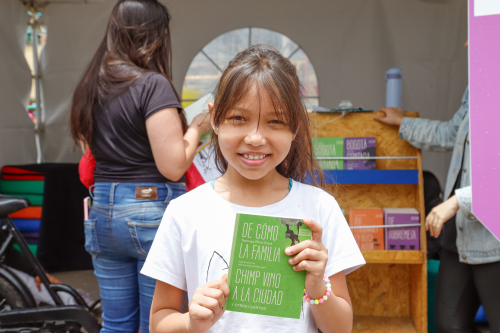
406,238
359,147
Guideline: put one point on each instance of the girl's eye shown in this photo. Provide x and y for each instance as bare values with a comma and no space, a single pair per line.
237,119
277,122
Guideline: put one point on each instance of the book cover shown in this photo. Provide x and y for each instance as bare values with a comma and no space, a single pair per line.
359,147
329,147
405,238
260,279
369,238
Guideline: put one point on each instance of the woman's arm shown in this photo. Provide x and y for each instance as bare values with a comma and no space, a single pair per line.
174,152
205,308
434,135
464,199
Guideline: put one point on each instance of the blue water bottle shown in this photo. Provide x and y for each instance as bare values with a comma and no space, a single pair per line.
393,90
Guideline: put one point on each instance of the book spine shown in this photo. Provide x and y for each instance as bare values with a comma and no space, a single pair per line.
233,251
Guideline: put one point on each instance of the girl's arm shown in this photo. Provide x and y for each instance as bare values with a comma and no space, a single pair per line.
334,314
173,151
204,311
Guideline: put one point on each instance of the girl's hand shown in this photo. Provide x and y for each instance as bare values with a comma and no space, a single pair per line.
440,214
393,116
312,257
207,305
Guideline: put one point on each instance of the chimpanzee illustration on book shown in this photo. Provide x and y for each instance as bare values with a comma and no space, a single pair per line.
259,276
289,232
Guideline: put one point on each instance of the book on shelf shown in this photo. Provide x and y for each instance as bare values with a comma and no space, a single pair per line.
367,238
260,278
329,147
359,147
404,238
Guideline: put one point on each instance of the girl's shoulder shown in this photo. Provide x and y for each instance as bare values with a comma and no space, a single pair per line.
199,195
314,193
316,196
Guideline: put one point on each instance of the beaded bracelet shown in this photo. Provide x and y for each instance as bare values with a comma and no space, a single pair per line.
324,298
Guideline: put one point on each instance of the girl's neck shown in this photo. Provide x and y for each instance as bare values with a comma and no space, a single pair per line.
236,189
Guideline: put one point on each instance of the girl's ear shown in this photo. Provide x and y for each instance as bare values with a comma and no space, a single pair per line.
294,135
211,112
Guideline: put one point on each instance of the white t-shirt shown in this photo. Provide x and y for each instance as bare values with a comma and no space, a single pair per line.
193,246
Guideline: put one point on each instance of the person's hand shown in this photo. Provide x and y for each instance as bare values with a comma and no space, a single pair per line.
393,116
52,279
201,122
311,256
207,304
440,214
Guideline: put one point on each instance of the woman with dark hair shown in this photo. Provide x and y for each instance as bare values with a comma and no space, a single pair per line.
126,110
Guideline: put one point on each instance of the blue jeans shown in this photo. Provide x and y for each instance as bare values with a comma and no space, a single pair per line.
118,235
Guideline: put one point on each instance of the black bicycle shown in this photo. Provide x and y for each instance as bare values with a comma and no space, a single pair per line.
18,310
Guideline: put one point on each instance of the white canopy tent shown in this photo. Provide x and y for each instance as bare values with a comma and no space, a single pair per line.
350,44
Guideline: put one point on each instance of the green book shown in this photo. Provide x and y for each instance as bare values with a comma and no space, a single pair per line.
260,278
329,147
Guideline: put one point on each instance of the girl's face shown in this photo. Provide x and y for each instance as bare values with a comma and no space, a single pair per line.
254,141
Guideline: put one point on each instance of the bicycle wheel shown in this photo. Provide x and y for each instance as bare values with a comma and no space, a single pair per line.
10,297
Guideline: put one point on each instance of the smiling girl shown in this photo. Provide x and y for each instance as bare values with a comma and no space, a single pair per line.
263,148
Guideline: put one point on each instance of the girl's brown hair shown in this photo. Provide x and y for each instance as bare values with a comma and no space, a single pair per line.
265,67
137,40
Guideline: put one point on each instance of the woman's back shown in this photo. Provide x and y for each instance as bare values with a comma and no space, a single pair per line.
120,144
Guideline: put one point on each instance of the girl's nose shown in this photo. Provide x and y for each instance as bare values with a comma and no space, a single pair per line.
255,138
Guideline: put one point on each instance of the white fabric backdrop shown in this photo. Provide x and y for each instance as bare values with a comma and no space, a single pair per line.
350,43
17,135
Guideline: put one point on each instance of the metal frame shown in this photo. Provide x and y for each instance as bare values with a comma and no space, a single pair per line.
58,316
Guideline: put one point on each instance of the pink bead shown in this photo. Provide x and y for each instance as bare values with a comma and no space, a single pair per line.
321,300
305,298
327,293
308,300
329,289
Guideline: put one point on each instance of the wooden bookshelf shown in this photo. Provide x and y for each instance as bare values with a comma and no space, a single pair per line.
389,293
394,257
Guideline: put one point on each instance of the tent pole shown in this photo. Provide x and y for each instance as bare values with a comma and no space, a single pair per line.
38,111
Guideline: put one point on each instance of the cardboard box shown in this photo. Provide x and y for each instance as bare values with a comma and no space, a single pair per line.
369,238
359,147
406,238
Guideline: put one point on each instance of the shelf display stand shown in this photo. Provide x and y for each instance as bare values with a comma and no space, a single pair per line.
389,293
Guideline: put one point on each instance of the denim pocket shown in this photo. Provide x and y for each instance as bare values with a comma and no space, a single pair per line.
143,233
91,244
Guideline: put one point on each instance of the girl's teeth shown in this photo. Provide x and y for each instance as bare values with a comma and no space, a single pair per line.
253,157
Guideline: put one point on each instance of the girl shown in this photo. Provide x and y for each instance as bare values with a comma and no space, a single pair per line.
127,112
263,148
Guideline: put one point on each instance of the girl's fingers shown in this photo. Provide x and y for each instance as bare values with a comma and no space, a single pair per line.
308,254
316,229
311,244
199,312
224,287
314,267
209,302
